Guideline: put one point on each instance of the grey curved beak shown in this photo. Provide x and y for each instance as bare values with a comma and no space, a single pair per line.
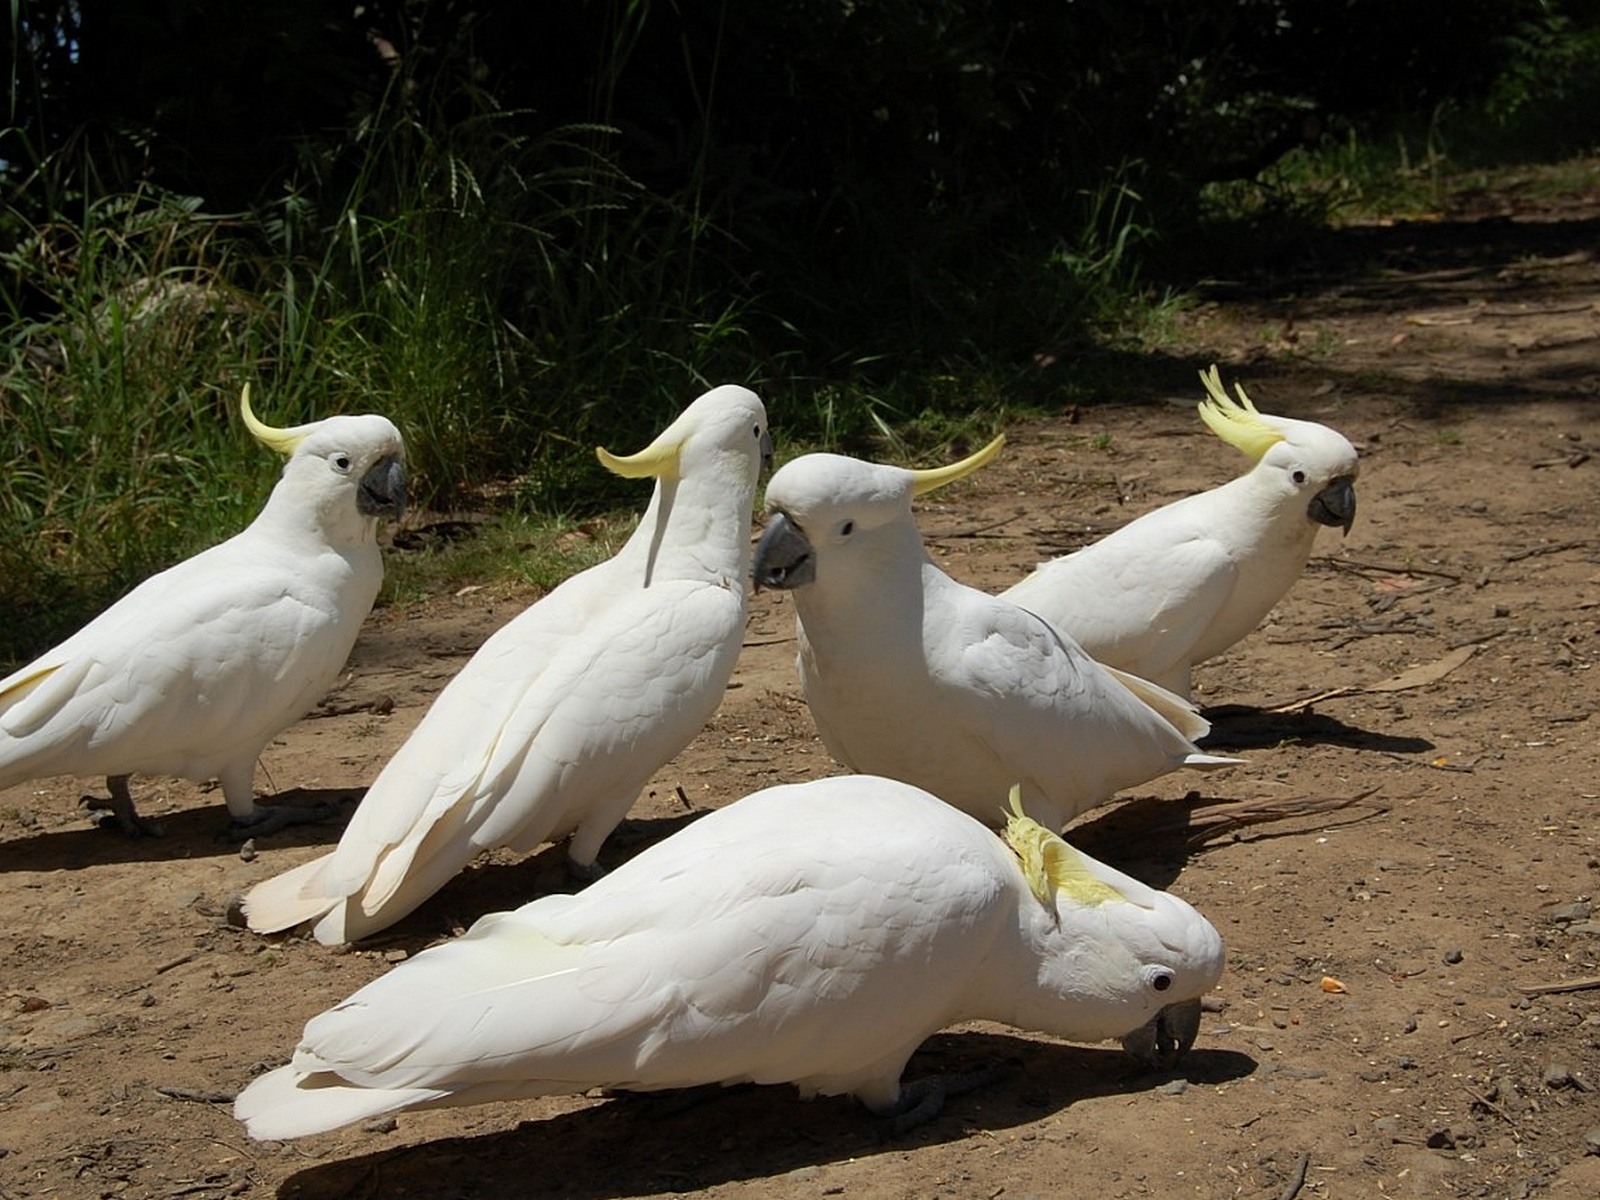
1166,1037
1335,504
783,556
382,491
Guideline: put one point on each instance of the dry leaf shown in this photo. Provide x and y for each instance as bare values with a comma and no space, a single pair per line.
1425,674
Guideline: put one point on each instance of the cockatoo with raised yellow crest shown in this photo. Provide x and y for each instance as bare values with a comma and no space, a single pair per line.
1183,582
812,933
197,668
561,717
910,674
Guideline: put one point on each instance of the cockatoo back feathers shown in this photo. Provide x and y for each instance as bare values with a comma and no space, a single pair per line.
766,942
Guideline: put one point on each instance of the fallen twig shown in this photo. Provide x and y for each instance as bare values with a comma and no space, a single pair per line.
1492,1107
1298,1179
1212,820
1551,548
198,1095
175,962
1356,567
1582,984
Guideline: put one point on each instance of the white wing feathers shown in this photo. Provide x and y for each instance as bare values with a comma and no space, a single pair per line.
515,752
812,933
555,725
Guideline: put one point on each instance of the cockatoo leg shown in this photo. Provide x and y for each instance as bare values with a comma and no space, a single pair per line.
583,874
923,1100
270,818
119,810
247,819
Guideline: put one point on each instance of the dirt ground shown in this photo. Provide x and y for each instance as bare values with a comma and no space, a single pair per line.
1424,698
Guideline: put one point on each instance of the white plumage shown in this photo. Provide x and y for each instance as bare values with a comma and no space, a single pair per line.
1186,581
912,675
812,933
562,716
195,670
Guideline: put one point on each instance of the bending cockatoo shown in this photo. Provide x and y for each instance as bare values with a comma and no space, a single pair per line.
195,670
812,933
562,716
1188,580
912,675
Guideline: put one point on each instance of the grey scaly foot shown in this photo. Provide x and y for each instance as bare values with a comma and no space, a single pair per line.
922,1101
270,818
119,810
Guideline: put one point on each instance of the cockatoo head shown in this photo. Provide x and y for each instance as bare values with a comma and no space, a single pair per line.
339,458
830,505
1116,958
1304,462
725,430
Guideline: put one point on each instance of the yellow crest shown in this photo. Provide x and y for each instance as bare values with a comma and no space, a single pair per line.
283,441
936,477
1050,865
1238,424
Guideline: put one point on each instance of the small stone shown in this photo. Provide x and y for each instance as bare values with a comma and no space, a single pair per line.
1441,1139
1565,914
247,852
1410,1026
801,1174
395,956
1174,1087
1591,1141
148,1000
1388,1125
1556,1075
1453,956
383,1124
1502,610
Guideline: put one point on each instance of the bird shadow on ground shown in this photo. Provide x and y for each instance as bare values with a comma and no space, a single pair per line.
641,1144
186,833
1243,727
1152,838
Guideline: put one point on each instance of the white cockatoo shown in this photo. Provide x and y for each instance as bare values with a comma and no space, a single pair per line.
1186,581
196,669
555,725
913,675
812,933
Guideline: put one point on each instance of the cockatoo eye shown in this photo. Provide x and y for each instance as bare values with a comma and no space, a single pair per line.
341,462
847,529
1298,477
1161,980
